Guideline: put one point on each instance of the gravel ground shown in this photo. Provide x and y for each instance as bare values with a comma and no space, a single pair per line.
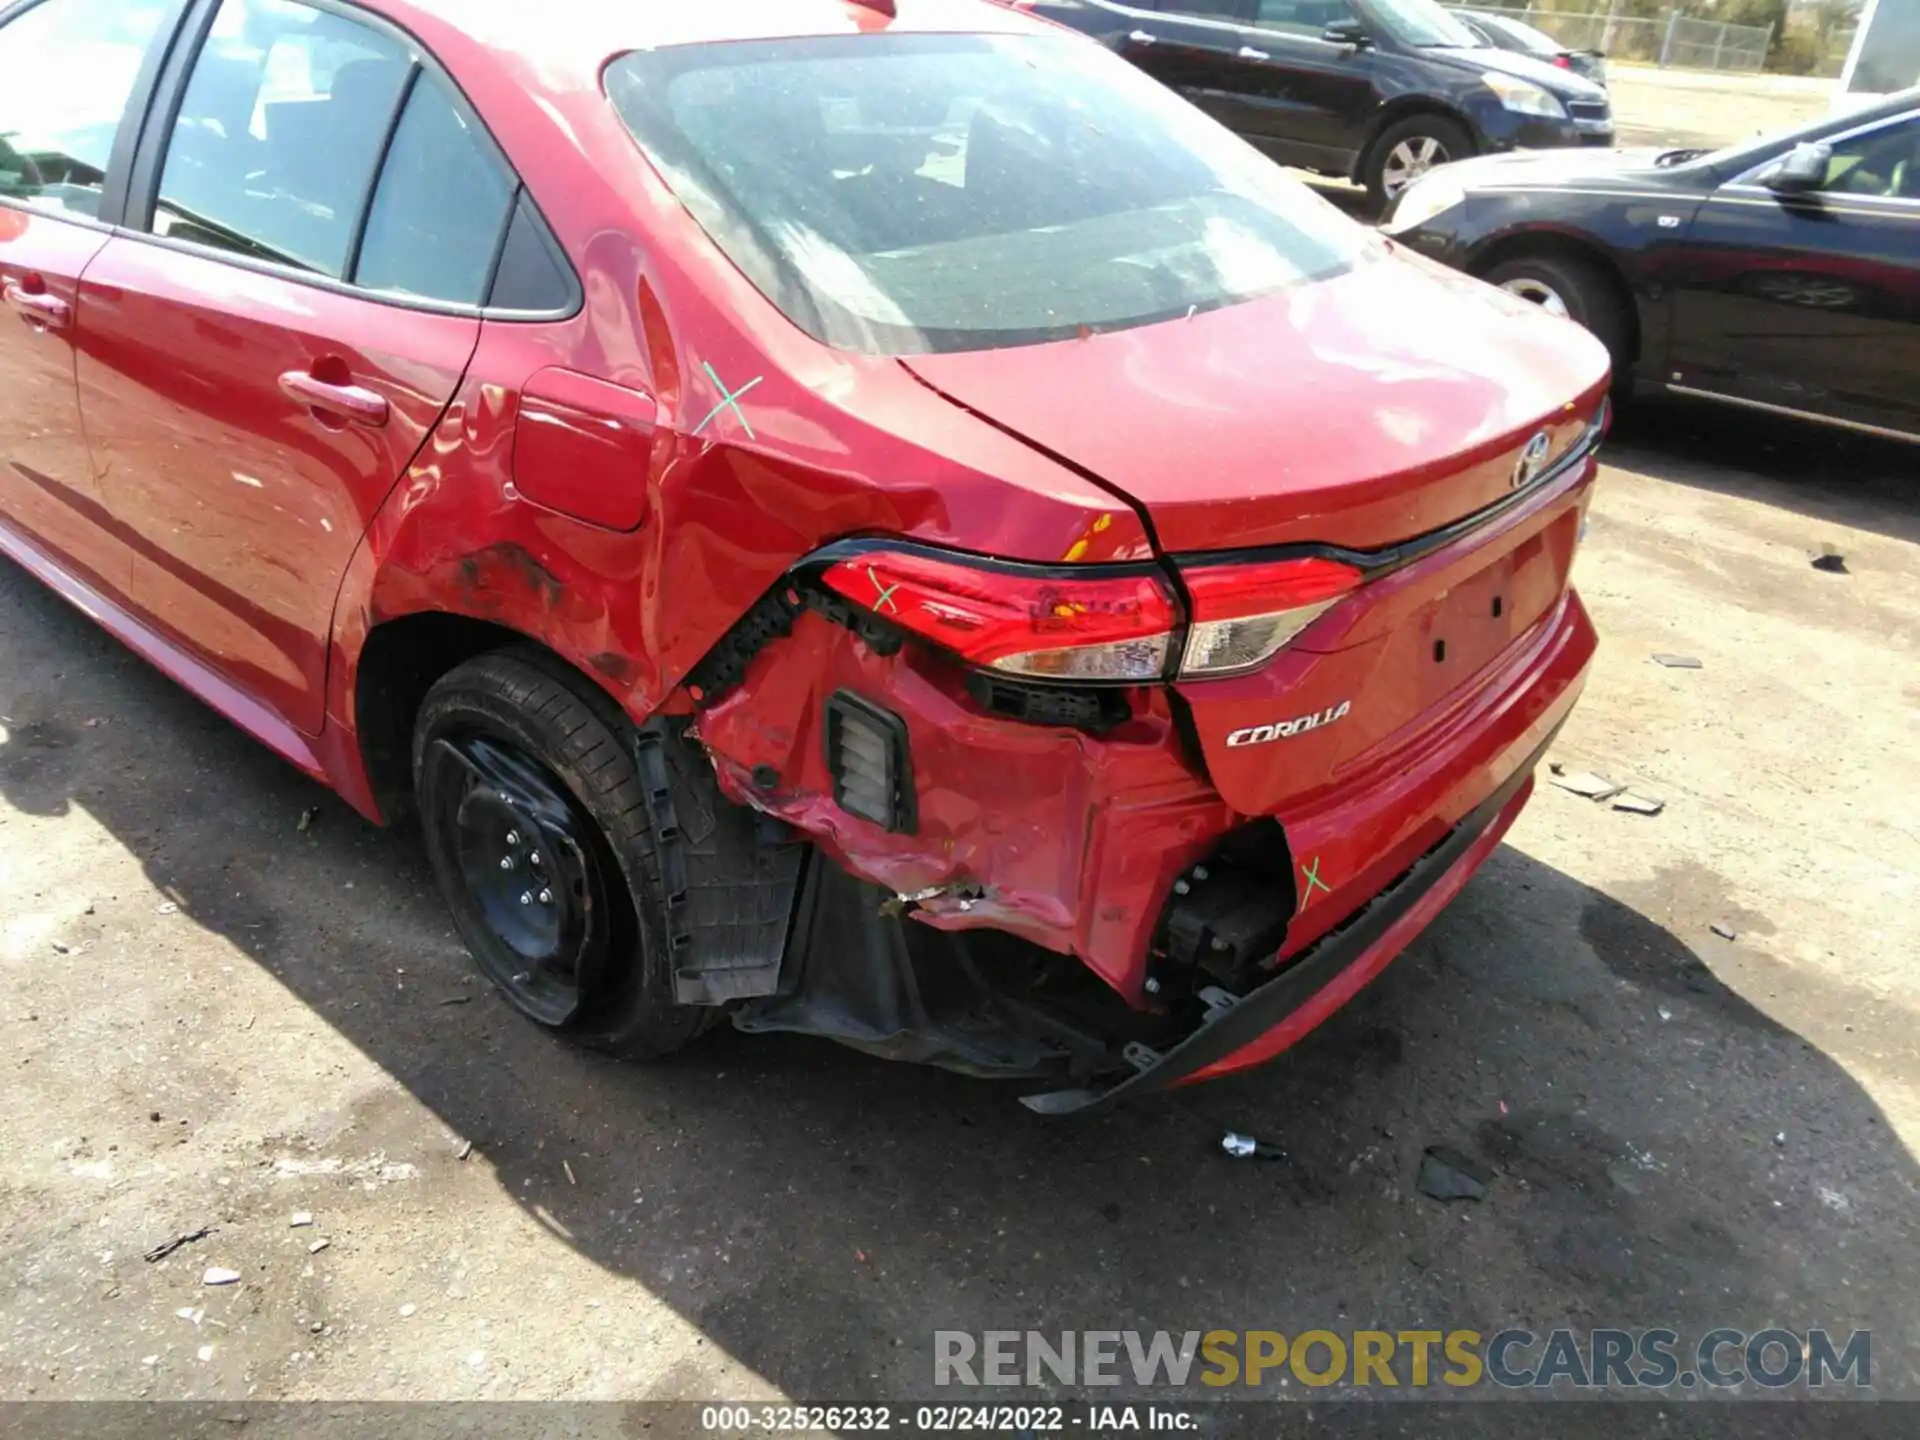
214,1017
1692,107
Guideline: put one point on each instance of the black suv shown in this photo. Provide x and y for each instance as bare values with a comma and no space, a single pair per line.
1378,91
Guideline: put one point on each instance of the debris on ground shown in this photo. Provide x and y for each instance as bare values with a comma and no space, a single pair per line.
317,1246
1830,560
456,1000
1589,784
569,1169
1781,1138
166,907
1245,1147
1446,1174
1677,662
464,1150
220,1275
300,1218
307,817
1638,804
1723,932
160,1252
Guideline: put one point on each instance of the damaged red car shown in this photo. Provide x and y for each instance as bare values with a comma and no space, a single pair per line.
867,519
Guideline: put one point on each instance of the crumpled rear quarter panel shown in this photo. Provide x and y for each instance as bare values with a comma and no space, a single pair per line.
1074,838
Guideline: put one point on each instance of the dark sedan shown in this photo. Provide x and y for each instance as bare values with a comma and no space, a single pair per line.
1378,91
1782,274
1504,32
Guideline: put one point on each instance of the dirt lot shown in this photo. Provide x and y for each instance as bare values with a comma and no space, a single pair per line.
211,1017
1692,107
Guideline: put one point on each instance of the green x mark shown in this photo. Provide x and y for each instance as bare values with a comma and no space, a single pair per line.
884,592
729,400
1312,874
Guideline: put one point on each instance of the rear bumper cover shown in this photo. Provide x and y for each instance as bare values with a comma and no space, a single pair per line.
1325,976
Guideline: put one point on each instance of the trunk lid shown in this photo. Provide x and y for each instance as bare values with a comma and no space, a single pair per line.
1359,411
1396,666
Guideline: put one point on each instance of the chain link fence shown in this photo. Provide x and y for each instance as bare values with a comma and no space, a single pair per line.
1672,39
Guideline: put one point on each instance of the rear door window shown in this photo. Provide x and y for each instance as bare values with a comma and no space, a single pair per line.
310,141
279,134
902,194
67,70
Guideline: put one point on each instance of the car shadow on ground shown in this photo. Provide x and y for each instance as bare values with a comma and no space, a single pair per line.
1816,471
817,1213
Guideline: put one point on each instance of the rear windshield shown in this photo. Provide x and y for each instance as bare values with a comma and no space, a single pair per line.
906,194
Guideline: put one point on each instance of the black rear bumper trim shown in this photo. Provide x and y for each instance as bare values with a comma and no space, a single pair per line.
1254,1014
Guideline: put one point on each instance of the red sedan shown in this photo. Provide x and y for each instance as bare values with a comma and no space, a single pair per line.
888,525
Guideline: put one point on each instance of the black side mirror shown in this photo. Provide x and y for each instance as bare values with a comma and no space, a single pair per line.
1801,169
1346,32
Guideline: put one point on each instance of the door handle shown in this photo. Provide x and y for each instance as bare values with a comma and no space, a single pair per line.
1142,37
49,312
1247,52
348,402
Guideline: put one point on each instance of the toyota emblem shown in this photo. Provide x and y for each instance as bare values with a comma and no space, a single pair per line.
1532,461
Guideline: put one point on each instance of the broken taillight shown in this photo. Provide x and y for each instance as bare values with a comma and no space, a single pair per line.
1244,613
1064,626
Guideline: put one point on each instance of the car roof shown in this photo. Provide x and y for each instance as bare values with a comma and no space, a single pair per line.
587,31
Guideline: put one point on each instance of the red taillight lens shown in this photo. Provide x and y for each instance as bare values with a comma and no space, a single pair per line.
1096,627
1243,614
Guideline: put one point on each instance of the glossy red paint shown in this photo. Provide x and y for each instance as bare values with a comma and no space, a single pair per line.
1382,406
573,432
243,501
622,485
46,481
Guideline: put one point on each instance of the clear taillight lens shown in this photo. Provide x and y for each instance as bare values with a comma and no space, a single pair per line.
1244,614
1099,626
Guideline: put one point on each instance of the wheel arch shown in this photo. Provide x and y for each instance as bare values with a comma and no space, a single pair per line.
1530,244
1405,107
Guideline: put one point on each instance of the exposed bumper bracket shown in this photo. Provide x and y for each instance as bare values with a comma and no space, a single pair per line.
1250,1016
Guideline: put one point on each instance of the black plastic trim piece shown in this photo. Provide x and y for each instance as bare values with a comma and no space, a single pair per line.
350,267
844,708
1374,564
729,878
1254,1014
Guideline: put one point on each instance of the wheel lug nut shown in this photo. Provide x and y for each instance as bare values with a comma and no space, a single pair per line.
513,837
526,897
546,897
534,858
506,862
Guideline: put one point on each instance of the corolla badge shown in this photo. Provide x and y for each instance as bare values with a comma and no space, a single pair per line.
1533,460
1283,729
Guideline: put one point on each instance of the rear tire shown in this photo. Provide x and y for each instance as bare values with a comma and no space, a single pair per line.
1407,149
1576,288
538,830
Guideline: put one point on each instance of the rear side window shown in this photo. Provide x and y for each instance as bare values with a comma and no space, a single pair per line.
312,141
437,217
901,194
279,134
67,69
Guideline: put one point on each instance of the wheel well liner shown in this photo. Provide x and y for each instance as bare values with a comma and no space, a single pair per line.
398,664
